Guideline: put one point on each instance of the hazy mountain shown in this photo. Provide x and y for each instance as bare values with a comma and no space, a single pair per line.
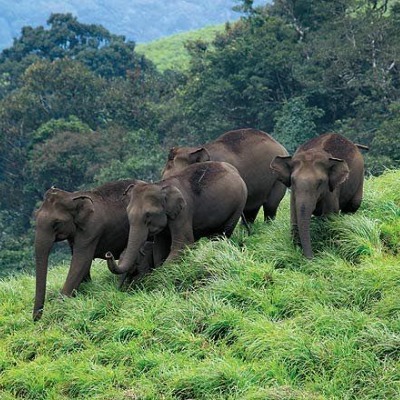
138,20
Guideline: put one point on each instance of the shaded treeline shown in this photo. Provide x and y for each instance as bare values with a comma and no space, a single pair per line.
78,105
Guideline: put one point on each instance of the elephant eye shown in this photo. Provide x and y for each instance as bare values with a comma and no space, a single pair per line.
56,223
146,217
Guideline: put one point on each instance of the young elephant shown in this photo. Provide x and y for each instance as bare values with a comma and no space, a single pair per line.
326,175
92,221
204,199
251,152
144,264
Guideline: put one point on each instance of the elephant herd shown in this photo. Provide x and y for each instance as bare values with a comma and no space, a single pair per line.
203,193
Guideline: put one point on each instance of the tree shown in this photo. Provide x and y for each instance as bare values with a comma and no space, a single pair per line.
67,160
385,146
100,51
143,159
243,79
65,87
295,123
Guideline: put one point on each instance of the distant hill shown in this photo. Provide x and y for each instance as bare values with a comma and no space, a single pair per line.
138,20
170,52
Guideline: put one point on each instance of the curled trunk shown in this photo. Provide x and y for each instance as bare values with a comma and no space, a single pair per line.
111,263
43,246
137,238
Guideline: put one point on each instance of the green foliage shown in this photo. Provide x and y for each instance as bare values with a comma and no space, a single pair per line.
295,123
50,128
386,141
67,160
245,73
63,88
104,53
338,58
228,321
143,160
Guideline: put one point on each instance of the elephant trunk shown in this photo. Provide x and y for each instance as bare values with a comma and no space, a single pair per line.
43,246
137,238
303,223
111,263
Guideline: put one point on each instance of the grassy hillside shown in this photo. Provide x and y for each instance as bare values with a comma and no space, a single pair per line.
170,52
247,318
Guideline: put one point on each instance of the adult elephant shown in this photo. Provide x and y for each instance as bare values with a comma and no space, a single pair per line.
251,152
204,199
326,174
92,222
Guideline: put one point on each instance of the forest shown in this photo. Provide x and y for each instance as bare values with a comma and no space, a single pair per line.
80,107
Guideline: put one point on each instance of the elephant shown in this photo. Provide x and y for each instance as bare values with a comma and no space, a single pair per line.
202,200
326,174
251,152
91,221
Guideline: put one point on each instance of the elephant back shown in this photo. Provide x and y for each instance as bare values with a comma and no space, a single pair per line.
335,145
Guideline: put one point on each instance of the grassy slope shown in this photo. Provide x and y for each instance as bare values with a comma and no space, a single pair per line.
248,318
170,52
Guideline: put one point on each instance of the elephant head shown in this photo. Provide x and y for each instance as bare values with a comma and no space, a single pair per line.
58,218
150,208
180,157
313,177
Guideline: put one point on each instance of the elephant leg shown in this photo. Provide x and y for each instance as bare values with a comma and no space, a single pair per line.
87,277
146,262
231,224
245,224
161,247
181,236
121,280
79,269
354,204
270,206
251,215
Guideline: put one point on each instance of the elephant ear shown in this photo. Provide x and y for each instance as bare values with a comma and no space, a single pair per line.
83,209
338,173
174,201
199,155
283,166
129,190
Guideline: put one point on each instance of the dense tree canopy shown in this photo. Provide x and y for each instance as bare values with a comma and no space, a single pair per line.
102,52
78,105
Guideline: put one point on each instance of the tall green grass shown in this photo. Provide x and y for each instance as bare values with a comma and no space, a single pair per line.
246,318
